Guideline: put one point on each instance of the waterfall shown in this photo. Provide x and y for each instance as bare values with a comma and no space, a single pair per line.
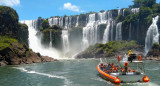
89,32
77,21
106,33
152,35
119,32
130,32
135,10
119,11
123,11
112,30
35,40
50,43
53,21
65,40
61,21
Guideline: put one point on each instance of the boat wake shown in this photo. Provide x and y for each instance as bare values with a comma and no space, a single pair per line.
66,81
139,84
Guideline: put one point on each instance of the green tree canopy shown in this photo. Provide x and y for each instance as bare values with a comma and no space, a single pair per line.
45,24
8,21
145,3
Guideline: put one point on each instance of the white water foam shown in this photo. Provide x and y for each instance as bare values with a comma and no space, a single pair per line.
66,81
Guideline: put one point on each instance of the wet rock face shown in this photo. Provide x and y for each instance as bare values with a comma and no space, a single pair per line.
155,51
20,54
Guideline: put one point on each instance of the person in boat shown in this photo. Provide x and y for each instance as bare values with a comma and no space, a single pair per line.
101,66
129,53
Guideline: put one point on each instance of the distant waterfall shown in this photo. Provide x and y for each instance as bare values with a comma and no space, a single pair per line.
119,11
119,32
106,33
123,11
35,40
50,43
77,21
65,40
152,35
135,10
130,30
112,30
89,32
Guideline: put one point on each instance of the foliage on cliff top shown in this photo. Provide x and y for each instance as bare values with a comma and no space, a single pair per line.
6,42
111,48
9,25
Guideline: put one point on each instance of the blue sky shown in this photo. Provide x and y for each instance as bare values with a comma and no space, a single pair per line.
32,9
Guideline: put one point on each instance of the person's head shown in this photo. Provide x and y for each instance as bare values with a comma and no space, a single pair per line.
130,51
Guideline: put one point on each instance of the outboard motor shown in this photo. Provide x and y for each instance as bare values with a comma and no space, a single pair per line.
132,57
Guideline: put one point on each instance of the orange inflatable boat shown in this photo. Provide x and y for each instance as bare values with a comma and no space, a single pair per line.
123,71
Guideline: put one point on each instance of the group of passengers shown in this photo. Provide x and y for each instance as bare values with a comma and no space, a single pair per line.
111,68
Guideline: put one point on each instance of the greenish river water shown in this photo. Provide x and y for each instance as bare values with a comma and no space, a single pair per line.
67,73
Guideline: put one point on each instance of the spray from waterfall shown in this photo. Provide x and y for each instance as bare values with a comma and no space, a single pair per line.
152,35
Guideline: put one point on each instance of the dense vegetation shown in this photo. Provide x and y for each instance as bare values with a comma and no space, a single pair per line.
54,31
10,27
155,50
14,40
110,49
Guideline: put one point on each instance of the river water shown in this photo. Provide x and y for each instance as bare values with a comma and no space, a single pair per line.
67,73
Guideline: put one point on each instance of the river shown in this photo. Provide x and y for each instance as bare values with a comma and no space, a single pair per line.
67,73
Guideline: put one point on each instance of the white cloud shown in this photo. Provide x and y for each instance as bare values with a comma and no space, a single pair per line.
10,2
71,7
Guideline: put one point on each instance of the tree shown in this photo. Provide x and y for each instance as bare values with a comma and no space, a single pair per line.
8,21
148,3
45,24
137,3
145,3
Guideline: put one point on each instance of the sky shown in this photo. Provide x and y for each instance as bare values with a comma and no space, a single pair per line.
32,9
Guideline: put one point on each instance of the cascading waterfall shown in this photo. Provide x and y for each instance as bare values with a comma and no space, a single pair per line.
112,30
77,21
35,40
119,32
53,21
65,41
130,30
89,32
119,11
123,11
50,43
135,10
106,33
152,35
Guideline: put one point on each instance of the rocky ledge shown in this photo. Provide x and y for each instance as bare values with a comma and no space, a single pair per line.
154,52
14,53
111,49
